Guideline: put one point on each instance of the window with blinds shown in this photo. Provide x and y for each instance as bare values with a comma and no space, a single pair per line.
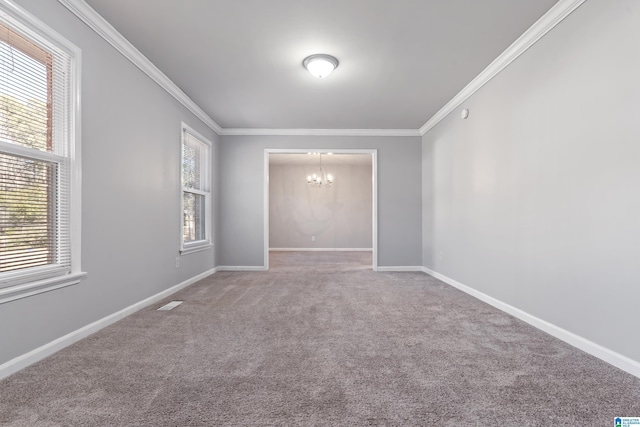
195,191
35,231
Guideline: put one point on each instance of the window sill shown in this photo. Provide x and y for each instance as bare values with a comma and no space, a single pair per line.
199,248
25,290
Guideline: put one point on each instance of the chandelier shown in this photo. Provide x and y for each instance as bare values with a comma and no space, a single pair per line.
321,179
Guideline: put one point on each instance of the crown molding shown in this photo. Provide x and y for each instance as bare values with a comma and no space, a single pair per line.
548,21
542,26
319,132
98,24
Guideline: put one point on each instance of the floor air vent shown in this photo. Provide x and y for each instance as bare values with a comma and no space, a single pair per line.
170,306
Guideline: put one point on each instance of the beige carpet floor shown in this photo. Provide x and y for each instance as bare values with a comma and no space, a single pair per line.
326,343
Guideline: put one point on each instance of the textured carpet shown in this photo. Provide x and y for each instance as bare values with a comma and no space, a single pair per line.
312,345
319,262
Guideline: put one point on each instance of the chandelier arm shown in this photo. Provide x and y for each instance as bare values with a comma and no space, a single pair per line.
322,179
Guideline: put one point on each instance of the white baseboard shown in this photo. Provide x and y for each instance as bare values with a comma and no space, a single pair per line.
21,362
399,268
320,249
616,359
242,268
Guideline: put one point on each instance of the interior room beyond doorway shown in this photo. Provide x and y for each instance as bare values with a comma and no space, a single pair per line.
335,215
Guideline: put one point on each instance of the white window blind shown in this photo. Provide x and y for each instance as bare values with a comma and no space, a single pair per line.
195,191
35,175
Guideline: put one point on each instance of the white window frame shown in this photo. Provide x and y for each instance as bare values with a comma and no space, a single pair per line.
17,285
206,170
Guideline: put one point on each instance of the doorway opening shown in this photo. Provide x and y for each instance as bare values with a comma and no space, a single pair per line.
332,224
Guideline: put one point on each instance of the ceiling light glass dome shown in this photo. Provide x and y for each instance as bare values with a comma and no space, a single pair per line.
320,65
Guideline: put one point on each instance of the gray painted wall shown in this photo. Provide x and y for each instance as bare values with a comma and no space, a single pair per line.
339,216
242,194
130,198
534,199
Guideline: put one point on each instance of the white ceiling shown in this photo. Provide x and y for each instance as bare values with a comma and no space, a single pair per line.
400,60
305,159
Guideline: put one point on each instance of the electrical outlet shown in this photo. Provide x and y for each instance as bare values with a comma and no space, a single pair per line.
440,256
177,262
313,238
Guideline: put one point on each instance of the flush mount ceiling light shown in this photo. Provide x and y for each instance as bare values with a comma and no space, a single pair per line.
320,65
